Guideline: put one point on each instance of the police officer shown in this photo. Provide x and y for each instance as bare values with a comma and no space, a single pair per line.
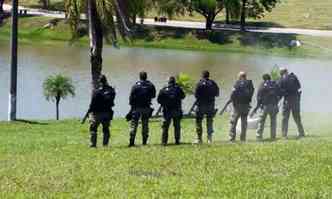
206,91
140,101
170,98
241,96
291,91
268,97
101,112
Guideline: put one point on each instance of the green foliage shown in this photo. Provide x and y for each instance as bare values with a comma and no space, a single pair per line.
171,7
207,8
257,8
58,87
186,83
106,10
275,74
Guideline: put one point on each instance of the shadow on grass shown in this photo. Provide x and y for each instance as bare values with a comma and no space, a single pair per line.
31,122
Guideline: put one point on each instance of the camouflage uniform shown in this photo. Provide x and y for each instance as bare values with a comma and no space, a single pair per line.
140,100
291,90
206,92
239,111
241,98
170,99
101,113
267,99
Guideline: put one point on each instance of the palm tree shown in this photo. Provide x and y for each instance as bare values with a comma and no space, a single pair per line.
58,87
100,15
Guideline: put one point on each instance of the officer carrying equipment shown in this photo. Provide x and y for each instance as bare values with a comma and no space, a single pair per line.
241,96
140,99
268,97
291,92
206,92
100,111
170,98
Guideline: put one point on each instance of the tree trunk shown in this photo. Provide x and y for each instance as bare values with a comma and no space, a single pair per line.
227,15
57,102
45,4
13,71
209,22
96,43
1,8
134,17
243,15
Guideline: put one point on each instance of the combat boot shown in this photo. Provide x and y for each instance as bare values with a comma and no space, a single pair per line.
131,141
198,140
145,140
209,139
93,140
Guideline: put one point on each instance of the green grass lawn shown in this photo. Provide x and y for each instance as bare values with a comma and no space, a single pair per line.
31,31
315,14
52,160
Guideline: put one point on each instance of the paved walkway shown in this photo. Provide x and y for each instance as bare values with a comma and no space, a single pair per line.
197,25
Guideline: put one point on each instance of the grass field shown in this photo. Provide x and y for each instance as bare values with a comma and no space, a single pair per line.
51,159
288,13
31,31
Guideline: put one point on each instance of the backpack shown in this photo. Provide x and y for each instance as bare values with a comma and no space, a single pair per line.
108,95
206,89
292,84
142,93
270,92
243,92
170,96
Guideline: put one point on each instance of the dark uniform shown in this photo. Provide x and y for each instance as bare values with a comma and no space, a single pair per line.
291,91
140,101
101,113
268,97
206,92
241,98
170,98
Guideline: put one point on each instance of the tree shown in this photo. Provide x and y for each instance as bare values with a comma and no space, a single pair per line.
1,8
171,7
138,8
101,25
208,8
255,9
45,3
232,10
58,87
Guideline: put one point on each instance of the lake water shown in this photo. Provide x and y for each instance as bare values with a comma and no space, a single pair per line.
122,66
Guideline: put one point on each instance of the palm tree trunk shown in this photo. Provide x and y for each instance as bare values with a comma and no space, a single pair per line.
1,7
96,43
243,15
57,102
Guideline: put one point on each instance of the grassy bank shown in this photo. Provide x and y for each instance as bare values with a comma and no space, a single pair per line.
288,13
51,160
31,30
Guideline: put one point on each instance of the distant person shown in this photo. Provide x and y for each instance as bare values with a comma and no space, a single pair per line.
206,92
268,97
140,101
291,91
170,98
101,111
241,97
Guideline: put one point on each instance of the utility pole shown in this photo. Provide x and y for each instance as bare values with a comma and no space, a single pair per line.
13,69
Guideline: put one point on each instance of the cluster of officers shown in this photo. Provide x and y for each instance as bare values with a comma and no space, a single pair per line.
170,98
